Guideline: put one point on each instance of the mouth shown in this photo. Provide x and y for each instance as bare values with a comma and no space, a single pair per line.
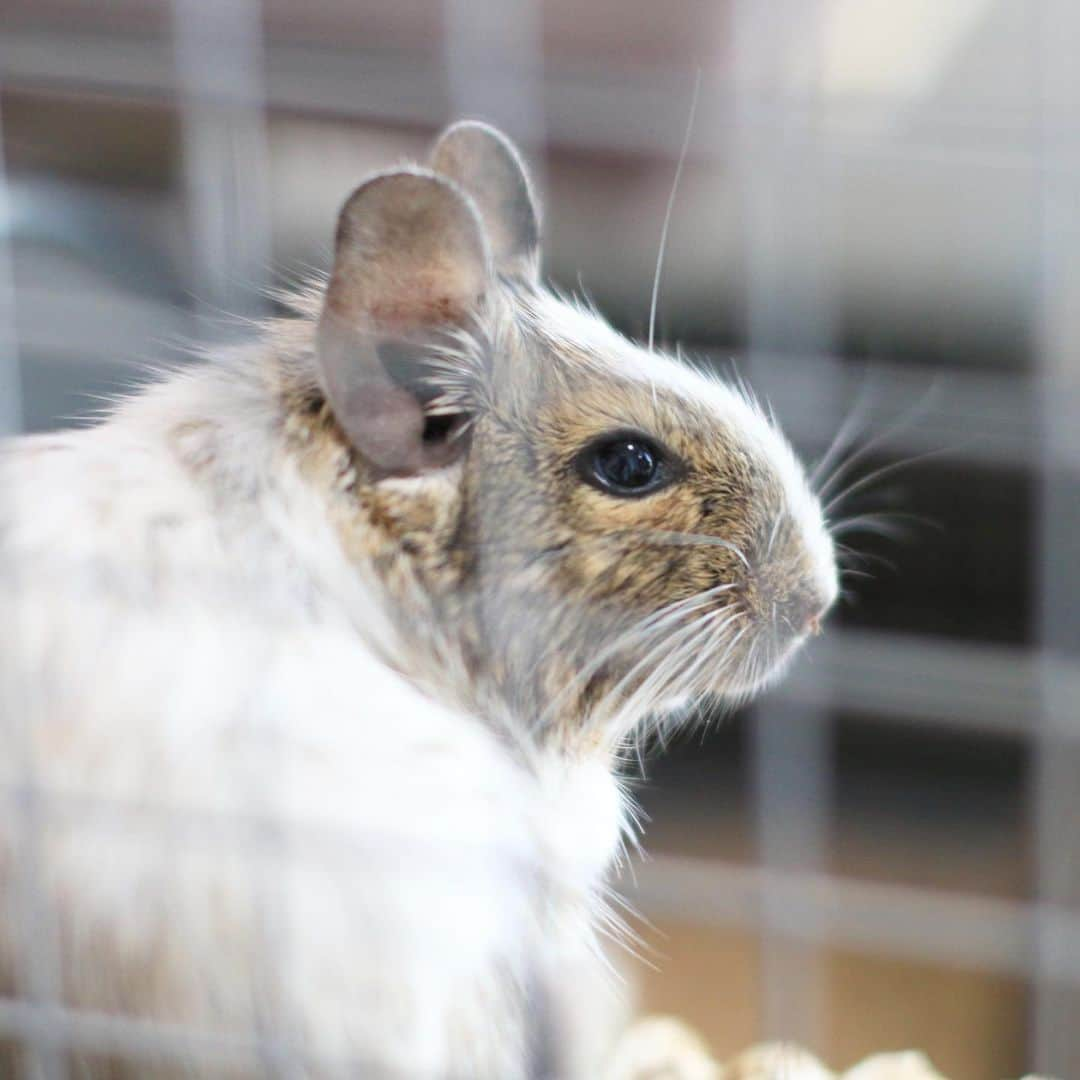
766,648
728,642
762,663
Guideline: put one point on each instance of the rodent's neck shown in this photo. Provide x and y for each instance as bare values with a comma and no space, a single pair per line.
464,629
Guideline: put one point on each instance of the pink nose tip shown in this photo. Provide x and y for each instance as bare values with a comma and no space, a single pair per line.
804,614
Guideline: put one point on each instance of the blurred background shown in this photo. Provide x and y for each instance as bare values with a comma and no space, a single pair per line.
878,225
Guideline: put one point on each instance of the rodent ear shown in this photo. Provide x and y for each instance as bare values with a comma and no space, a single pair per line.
411,263
487,165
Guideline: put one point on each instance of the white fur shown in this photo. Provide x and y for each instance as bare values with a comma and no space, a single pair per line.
241,796
245,797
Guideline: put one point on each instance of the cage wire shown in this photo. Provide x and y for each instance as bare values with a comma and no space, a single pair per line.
785,311
769,117
1057,756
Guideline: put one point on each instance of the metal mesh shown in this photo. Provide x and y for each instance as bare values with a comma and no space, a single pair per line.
234,108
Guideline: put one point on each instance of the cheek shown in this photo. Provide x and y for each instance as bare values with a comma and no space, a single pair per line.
616,546
623,568
726,510
592,513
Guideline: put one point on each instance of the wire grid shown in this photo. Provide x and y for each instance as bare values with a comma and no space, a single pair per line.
797,905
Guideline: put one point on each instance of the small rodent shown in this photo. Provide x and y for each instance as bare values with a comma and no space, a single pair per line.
320,658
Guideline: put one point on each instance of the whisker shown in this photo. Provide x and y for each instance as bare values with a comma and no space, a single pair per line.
671,651
850,571
683,638
773,534
915,413
673,669
865,556
670,207
868,523
881,473
844,437
664,536
693,539
650,623
883,517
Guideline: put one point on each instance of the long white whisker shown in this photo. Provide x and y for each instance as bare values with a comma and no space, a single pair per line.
772,535
915,413
650,624
880,474
693,539
848,552
664,653
708,652
673,647
669,656
670,206
870,523
709,655
844,436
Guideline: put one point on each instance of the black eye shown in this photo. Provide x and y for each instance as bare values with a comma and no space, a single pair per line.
626,465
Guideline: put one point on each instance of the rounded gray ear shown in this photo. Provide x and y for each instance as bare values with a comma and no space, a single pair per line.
485,164
411,263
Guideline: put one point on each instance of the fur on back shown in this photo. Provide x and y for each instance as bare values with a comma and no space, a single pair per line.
226,808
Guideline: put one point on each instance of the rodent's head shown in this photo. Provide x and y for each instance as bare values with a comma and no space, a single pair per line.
607,530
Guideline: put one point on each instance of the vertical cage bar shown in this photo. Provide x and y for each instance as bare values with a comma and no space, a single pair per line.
10,381
1056,1000
220,59
494,58
776,82
36,948
218,50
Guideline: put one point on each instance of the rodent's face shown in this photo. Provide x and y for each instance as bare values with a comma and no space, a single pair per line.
605,531
642,520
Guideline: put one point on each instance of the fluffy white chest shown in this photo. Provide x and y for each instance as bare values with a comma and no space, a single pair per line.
584,811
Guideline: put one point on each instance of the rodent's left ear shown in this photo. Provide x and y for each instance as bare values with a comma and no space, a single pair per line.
411,265
487,165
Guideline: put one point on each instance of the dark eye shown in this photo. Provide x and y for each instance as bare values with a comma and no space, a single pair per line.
626,465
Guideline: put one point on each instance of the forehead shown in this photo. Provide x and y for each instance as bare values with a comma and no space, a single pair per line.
653,389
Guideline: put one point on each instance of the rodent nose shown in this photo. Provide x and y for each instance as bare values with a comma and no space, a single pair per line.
804,613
